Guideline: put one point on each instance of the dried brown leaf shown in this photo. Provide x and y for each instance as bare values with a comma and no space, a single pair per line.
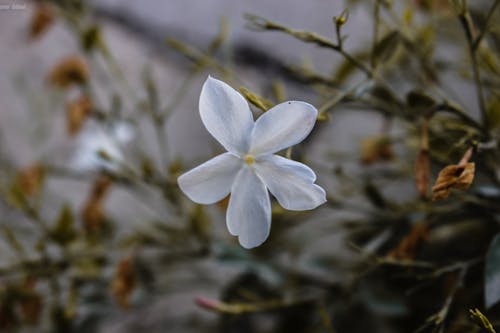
69,71
423,172
93,215
76,113
408,247
30,180
124,282
376,149
42,19
458,176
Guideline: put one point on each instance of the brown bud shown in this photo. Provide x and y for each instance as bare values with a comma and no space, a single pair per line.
69,71
124,282
76,113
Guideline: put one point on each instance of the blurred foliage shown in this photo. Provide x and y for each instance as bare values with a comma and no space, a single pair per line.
421,261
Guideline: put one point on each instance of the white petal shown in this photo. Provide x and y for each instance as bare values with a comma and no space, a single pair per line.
292,183
283,126
124,132
249,212
226,115
90,143
212,180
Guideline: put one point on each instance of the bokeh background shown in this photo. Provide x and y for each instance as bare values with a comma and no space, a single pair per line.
33,129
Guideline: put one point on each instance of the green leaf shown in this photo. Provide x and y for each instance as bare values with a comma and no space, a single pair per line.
387,46
374,195
419,101
492,275
64,231
493,113
383,99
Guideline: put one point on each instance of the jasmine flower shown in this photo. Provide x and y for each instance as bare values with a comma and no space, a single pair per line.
250,166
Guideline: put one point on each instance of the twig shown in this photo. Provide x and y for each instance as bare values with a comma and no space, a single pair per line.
241,308
484,30
470,34
259,23
439,317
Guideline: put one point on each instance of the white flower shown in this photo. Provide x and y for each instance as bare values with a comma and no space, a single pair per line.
94,140
249,169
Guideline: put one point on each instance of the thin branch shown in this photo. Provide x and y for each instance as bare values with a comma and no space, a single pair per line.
487,21
261,24
470,34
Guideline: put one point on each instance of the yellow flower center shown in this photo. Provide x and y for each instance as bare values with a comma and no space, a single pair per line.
249,159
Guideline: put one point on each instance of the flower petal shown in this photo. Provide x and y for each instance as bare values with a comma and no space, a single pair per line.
226,115
212,180
90,143
249,212
292,183
283,126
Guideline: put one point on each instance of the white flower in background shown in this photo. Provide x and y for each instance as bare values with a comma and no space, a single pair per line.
94,140
249,169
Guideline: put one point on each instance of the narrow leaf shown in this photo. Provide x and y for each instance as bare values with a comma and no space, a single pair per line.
492,275
387,47
419,102
63,231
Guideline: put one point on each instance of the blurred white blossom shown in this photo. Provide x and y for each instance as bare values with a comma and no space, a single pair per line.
100,147
250,168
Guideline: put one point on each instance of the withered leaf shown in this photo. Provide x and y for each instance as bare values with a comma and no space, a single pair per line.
458,176
376,149
423,172
409,245
30,180
42,19
93,215
77,112
124,281
69,71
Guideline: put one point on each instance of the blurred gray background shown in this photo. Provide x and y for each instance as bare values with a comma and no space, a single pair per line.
135,31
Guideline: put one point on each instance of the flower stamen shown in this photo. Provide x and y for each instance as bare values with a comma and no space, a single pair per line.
249,159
